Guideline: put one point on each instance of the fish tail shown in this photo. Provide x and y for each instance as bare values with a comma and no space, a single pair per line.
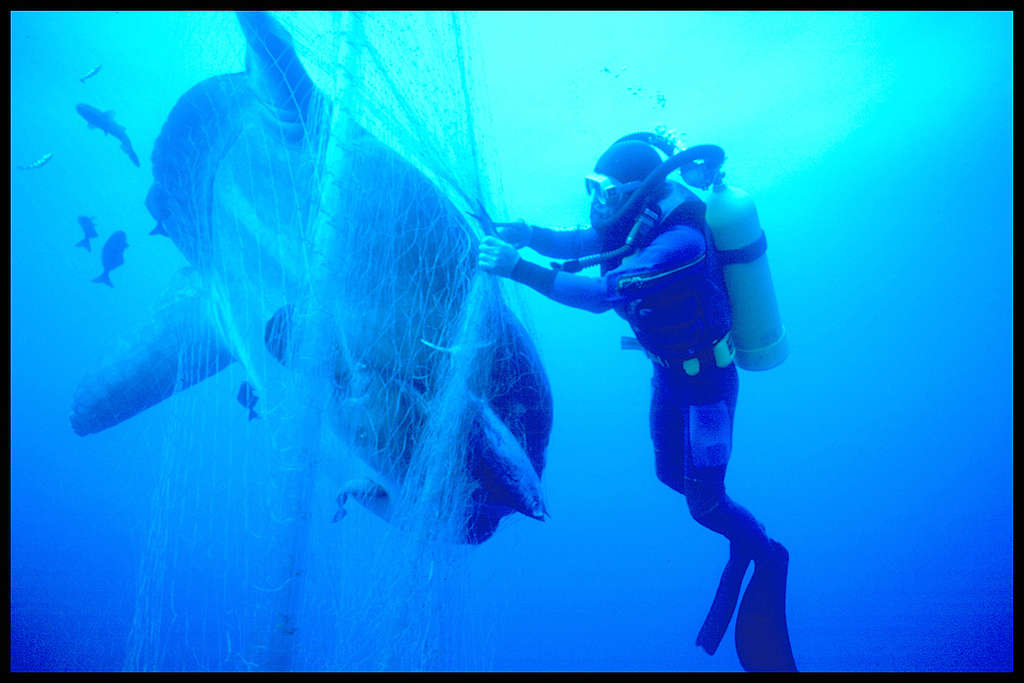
252,415
126,145
104,277
84,244
159,229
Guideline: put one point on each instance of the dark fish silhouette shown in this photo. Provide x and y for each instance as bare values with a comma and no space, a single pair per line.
38,163
248,398
89,228
113,256
95,70
275,334
104,120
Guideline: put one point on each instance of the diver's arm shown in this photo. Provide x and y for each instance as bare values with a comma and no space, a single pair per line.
674,254
564,243
500,258
555,243
578,291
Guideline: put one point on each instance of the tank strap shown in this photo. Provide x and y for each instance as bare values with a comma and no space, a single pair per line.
747,254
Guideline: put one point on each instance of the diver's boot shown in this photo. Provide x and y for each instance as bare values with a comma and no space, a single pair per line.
724,604
762,636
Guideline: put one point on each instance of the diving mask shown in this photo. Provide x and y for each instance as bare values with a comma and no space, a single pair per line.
607,192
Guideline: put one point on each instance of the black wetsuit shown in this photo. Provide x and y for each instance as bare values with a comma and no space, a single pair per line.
672,294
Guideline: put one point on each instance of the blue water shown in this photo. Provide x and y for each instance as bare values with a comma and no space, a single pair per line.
878,147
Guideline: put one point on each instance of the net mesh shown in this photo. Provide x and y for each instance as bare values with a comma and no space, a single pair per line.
332,269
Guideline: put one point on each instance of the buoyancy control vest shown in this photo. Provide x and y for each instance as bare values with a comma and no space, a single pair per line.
682,310
735,238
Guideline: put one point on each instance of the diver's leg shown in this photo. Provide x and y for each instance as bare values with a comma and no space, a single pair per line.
762,636
710,408
668,429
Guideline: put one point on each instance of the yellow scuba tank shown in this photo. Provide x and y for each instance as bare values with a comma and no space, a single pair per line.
757,330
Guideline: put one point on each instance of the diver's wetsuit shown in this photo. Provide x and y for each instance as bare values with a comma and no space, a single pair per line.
691,416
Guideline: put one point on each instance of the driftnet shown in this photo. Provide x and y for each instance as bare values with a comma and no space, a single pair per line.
342,288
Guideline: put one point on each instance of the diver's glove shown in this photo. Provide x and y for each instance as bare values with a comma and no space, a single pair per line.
517,233
497,256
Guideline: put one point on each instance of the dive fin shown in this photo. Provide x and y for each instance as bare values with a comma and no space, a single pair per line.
724,604
762,636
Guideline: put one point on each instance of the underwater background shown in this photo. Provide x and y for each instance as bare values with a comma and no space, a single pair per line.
878,147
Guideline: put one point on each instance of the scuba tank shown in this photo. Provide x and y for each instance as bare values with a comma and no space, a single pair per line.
757,330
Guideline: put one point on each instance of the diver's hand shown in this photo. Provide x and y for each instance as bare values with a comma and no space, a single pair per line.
497,257
517,234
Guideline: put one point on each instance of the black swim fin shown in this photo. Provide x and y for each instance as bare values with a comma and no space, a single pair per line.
762,636
724,604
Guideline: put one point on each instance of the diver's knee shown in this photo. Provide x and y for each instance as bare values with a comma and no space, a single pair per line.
703,498
672,479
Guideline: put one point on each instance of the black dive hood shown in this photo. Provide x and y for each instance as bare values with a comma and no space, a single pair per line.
701,164
698,166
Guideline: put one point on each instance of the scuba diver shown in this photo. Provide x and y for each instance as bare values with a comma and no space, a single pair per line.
692,281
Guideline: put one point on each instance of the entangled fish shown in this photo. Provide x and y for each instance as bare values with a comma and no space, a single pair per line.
95,70
41,161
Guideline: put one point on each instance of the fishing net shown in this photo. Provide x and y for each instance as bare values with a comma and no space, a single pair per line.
333,271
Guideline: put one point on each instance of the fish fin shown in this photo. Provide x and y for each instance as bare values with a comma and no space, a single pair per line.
369,494
252,415
272,65
159,229
501,465
104,277
126,145
84,244
179,347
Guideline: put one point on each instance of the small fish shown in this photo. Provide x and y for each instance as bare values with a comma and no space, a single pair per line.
104,120
38,163
89,228
95,70
113,256
248,398
277,332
